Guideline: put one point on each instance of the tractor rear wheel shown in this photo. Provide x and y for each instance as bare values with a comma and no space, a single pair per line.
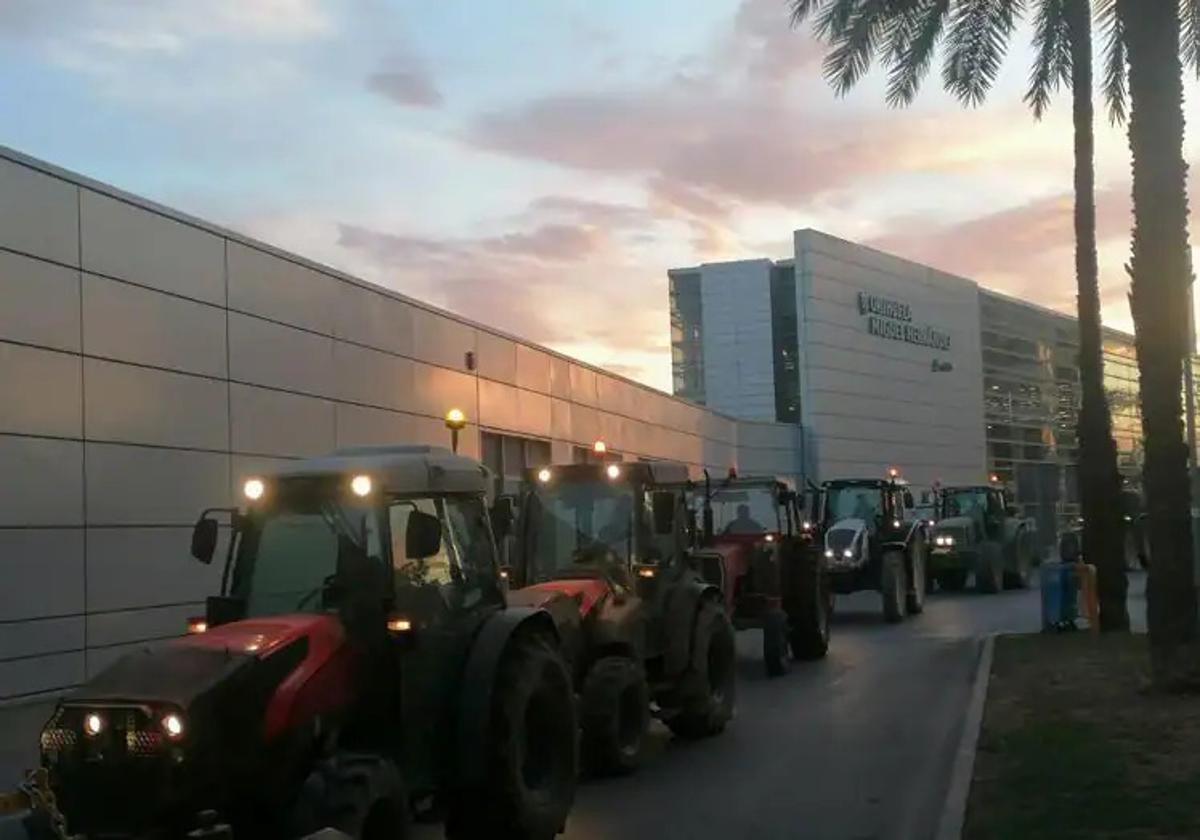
531,758
775,643
809,621
1019,578
359,794
707,688
614,714
893,585
989,575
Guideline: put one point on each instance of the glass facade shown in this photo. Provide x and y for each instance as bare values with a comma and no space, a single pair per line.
785,340
687,347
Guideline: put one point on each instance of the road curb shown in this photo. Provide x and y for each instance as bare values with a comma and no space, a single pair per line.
954,812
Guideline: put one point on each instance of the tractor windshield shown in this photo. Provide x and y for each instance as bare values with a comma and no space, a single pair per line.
968,501
744,510
291,553
581,526
853,502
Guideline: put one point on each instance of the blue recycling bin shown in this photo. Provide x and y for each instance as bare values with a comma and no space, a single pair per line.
1059,596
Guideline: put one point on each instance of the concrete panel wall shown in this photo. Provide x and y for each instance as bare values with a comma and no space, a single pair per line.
869,402
150,363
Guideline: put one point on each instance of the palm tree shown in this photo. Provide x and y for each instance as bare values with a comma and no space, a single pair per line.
906,33
1144,35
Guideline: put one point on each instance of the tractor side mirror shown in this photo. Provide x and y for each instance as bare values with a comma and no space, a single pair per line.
663,505
424,536
204,539
502,517
908,500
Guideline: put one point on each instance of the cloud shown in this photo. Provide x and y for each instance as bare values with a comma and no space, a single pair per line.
406,81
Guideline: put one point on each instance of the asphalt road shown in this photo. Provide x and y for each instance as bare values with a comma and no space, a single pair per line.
857,746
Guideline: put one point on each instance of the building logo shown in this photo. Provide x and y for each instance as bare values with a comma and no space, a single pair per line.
892,319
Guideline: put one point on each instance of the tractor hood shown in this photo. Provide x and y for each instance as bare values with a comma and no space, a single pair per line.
183,669
585,592
843,533
962,528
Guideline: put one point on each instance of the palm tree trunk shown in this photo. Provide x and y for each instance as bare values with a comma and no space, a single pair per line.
1099,481
1159,300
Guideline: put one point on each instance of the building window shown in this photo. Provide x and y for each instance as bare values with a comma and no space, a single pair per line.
508,456
785,341
687,331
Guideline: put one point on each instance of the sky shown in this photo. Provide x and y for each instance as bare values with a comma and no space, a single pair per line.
538,165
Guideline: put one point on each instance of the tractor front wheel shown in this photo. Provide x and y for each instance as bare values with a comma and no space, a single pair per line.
531,756
614,714
1023,561
810,619
775,643
359,794
989,574
707,689
893,585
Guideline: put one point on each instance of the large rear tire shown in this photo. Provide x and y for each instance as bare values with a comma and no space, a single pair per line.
893,585
989,575
359,794
775,643
614,714
809,621
914,600
531,757
708,688
1023,560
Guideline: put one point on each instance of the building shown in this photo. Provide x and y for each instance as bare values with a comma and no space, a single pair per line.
884,361
150,361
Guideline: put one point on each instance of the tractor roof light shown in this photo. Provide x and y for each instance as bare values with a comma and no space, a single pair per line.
456,420
361,485
612,471
599,447
544,475
893,473
254,488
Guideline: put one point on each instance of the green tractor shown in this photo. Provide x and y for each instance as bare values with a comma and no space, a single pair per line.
360,663
979,532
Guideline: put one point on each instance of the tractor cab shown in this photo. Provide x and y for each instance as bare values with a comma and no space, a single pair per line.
355,590
981,507
603,547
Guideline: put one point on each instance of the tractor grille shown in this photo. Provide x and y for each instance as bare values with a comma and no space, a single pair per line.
839,539
55,739
962,536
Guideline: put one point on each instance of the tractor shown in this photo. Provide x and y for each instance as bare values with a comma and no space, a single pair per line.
979,532
360,664
756,543
872,541
603,548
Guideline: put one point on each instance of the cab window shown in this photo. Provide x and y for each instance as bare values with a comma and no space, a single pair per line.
471,537
440,569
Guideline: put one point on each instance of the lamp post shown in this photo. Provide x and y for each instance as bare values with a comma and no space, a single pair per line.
456,421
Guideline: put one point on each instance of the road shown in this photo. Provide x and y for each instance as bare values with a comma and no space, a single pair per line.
857,746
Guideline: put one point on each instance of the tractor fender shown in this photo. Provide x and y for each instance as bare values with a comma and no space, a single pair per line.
680,623
479,679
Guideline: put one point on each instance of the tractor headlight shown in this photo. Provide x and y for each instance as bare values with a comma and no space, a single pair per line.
943,540
847,554
172,724
93,724
829,552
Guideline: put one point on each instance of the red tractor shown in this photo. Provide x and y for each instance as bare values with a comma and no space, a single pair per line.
758,546
360,660
603,547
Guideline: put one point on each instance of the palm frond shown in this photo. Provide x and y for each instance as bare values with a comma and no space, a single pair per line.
1114,84
1189,35
1052,55
977,41
802,9
855,43
908,65
835,17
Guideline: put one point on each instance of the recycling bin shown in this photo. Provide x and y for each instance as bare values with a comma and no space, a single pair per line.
1059,596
